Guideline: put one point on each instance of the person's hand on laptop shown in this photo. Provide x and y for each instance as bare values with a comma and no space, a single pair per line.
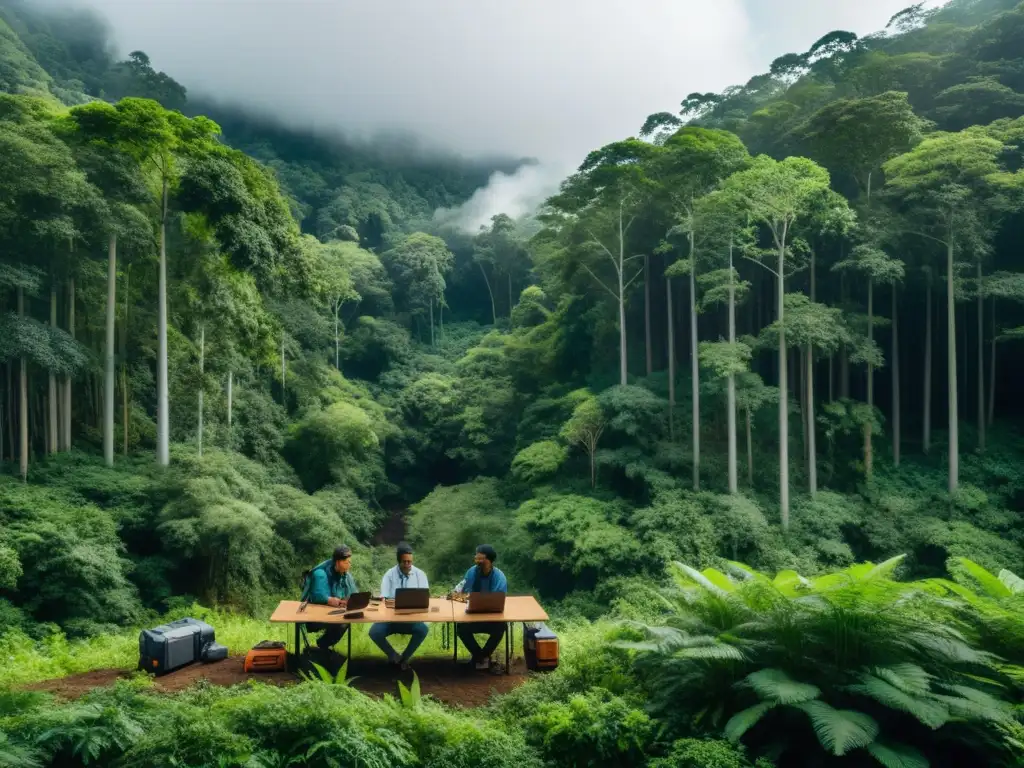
336,602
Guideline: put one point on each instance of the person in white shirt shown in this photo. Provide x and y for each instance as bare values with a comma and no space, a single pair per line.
403,576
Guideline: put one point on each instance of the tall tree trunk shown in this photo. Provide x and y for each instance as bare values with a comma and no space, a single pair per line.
730,402
992,367
440,319
163,424
926,438
981,362
812,456
953,409
868,463
750,452
896,431
647,314
51,399
844,353
124,363
202,370
67,379
430,308
22,401
510,305
108,357
783,390
694,366
494,310
623,380
671,362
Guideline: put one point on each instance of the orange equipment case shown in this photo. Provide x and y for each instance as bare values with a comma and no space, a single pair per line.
540,646
267,656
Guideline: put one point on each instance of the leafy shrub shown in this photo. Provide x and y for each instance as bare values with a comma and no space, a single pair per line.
71,560
447,525
590,730
705,753
538,461
859,661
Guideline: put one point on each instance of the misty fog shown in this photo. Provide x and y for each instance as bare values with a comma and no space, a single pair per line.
545,79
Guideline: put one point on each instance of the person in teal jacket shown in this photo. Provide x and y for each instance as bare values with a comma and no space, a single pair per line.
330,583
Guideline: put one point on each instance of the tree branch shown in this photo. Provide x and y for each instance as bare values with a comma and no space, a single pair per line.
601,282
632,279
762,264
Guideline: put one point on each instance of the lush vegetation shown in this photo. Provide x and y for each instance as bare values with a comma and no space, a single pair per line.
778,329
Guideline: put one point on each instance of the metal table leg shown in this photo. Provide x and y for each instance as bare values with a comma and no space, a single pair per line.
349,633
508,649
455,644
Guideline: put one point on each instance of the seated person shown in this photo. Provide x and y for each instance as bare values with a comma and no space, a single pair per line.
330,583
403,576
483,577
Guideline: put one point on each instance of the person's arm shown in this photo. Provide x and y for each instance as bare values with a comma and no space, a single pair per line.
426,581
500,582
387,588
319,593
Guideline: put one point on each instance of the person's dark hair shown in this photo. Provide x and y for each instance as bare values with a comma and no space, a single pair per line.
342,553
403,548
487,551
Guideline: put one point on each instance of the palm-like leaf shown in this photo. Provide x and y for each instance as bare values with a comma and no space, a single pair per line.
840,730
776,686
897,755
991,585
743,721
926,709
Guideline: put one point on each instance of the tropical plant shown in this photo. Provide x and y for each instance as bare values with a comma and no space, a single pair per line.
850,664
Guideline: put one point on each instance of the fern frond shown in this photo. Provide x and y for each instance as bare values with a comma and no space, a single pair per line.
990,584
743,721
719,652
926,710
975,705
907,677
840,730
897,755
776,686
949,647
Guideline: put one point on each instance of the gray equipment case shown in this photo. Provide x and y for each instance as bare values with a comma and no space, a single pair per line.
172,646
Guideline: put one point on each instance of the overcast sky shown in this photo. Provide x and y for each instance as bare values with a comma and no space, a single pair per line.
545,78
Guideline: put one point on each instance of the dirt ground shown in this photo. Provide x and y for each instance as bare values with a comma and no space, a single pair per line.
439,678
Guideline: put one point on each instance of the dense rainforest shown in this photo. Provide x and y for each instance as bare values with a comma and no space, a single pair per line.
738,403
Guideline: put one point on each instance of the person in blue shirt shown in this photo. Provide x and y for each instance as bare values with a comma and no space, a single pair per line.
405,575
330,583
483,577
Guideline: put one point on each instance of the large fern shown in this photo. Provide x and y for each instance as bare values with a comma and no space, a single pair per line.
871,663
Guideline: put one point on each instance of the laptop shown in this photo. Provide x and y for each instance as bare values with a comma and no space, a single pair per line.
412,600
357,600
486,602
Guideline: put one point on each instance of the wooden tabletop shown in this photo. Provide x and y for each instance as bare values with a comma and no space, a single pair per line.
287,612
517,608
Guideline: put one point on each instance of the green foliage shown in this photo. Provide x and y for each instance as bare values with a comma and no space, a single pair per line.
594,729
447,525
764,654
538,461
